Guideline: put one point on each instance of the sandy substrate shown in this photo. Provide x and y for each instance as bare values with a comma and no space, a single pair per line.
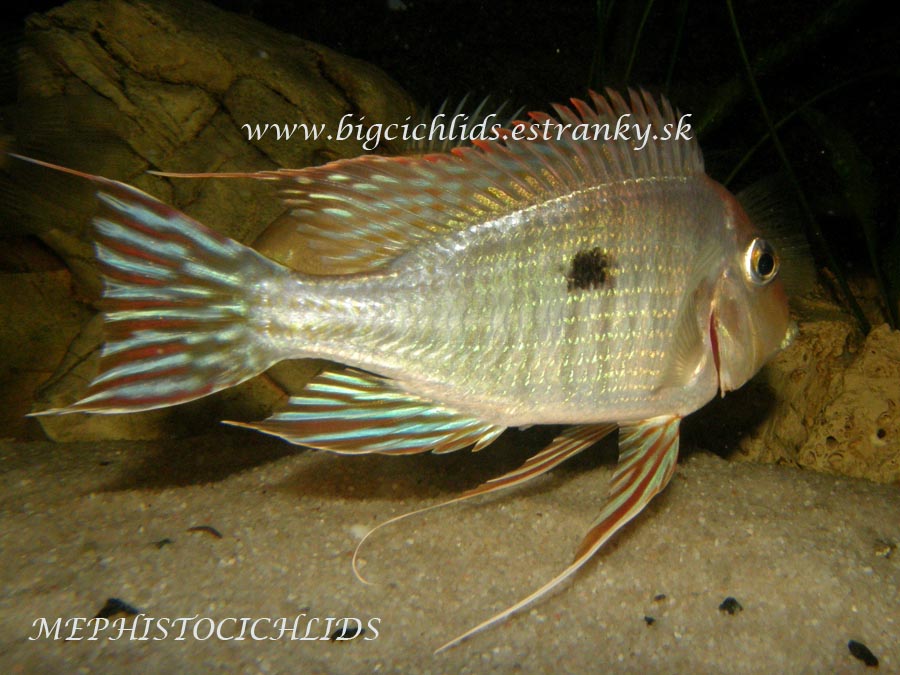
808,557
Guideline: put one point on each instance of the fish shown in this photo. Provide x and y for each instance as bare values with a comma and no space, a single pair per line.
560,279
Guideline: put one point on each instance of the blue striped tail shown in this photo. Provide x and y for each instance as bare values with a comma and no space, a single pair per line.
178,305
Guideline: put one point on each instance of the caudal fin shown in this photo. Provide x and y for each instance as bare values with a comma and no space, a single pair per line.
178,305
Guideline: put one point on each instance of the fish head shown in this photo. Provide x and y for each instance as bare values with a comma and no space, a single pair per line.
750,320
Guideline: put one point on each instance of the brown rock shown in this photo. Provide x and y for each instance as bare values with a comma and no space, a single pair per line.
169,87
857,432
119,88
836,401
40,319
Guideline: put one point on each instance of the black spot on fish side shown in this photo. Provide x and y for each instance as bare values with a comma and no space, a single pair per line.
589,270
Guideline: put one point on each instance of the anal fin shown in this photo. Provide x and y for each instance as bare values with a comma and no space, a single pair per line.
352,412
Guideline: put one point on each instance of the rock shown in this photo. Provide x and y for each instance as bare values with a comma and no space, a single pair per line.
836,401
119,88
40,319
857,432
168,86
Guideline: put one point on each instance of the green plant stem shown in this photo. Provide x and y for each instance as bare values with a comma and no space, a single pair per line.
597,74
730,94
637,40
679,34
881,72
814,231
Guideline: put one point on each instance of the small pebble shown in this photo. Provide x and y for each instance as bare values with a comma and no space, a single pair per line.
209,529
863,653
347,633
358,531
730,605
884,549
114,607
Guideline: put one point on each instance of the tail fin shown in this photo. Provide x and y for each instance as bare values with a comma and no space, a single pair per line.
177,300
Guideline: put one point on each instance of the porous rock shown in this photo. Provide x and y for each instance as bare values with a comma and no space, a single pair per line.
836,397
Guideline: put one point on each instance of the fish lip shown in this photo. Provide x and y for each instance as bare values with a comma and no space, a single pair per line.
714,343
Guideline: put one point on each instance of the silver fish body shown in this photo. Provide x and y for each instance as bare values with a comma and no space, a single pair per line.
488,319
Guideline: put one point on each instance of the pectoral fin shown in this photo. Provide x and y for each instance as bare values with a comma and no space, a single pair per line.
689,353
648,452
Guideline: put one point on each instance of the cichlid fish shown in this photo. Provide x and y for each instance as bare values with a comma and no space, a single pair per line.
551,281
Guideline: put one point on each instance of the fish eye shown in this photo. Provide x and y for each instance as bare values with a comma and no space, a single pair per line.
760,262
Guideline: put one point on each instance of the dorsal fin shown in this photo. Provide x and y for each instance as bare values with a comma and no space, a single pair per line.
486,112
359,214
